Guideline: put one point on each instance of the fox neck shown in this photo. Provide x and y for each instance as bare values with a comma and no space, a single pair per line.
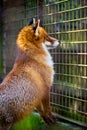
40,54
43,57
48,60
30,52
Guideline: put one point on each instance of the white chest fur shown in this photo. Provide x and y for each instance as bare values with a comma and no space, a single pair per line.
48,60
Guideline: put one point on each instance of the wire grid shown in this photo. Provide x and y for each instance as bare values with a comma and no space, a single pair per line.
67,21
15,18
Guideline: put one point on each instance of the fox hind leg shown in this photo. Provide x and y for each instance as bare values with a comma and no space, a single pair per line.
6,127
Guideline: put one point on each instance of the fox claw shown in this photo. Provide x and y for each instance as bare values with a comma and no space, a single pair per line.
49,119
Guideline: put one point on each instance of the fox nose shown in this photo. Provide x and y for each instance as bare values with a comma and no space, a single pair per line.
59,41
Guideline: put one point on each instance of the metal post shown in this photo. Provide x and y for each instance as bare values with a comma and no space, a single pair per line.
40,10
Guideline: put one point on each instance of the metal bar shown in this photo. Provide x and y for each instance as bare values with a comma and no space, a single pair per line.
40,10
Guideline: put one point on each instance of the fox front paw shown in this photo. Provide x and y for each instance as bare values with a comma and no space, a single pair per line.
49,119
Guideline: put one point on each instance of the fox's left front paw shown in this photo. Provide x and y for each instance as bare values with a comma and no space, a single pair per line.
50,119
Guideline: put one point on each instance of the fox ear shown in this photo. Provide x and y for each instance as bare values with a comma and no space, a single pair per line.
36,27
32,21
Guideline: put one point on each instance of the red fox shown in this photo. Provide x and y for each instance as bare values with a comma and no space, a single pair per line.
27,86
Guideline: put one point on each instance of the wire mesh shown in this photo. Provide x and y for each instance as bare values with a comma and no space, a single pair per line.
14,19
67,21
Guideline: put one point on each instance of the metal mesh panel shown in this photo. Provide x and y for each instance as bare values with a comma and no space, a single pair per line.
15,18
67,21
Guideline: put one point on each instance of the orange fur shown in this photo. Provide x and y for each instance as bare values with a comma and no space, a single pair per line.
28,84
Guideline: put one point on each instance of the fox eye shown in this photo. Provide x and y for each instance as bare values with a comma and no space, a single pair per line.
47,36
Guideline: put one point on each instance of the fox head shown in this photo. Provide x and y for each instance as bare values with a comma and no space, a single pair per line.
37,35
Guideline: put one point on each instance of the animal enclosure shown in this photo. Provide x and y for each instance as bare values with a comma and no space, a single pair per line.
67,21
